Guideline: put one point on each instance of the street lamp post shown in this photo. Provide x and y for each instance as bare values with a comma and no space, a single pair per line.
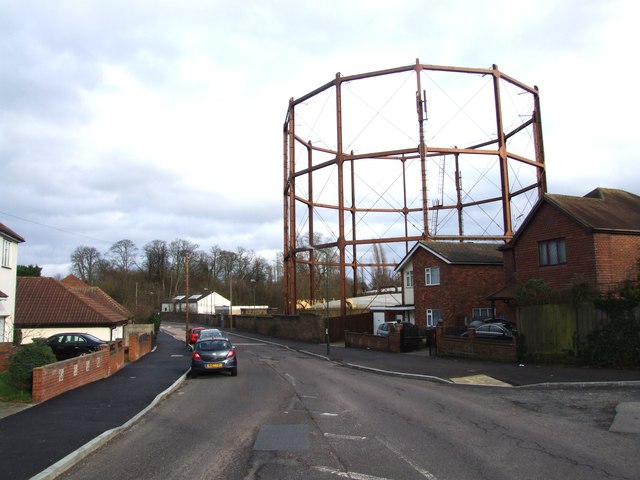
253,284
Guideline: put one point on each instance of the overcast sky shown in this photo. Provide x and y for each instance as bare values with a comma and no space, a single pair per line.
160,119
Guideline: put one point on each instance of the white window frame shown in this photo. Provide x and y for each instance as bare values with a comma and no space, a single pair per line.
434,315
429,274
482,312
6,253
408,279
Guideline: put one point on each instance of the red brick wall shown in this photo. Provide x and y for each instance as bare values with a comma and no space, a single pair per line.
462,288
391,343
6,350
139,346
59,377
471,346
617,257
595,259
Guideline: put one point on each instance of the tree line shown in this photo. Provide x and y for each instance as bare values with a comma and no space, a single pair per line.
141,279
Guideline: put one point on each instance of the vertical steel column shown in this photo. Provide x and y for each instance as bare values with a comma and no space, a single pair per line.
539,144
292,213
405,208
310,212
502,153
354,237
340,165
286,252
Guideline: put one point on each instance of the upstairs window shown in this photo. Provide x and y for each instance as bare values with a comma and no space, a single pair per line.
6,253
552,252
432,276
408,279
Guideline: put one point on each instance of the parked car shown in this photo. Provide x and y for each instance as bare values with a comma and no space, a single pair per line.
492,330
70,345
213,355
384,328
192,335
210,333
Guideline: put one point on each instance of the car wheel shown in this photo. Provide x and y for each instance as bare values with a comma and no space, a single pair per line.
234,372
193,374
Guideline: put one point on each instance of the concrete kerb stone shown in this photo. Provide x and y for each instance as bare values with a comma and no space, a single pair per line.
415,376
74,457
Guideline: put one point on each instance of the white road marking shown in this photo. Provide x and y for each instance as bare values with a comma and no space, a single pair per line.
420,470
352,475
344,437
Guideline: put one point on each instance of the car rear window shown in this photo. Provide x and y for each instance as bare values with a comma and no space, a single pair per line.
214,345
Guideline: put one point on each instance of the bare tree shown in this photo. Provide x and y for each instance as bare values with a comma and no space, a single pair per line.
178,251
85,264
123,255
156,261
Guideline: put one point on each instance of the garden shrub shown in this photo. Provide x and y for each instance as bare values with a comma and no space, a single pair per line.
27,358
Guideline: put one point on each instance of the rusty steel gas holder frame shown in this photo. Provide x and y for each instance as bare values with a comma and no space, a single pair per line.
299,256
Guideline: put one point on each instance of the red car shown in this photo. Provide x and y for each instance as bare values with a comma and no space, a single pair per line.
192,336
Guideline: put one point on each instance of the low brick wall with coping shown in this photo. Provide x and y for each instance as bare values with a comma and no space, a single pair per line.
56,378
391,343
473,347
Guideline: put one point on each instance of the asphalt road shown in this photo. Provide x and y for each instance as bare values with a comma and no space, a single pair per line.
289,415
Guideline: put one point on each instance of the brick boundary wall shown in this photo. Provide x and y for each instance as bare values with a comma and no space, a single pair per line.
56,378
391,343
472,347
6,350
139,346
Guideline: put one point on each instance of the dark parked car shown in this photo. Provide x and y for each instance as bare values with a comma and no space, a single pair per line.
492,330
210,333
214,355
69,345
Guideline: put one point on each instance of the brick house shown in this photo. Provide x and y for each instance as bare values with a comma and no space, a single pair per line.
451,281
567,241
45,306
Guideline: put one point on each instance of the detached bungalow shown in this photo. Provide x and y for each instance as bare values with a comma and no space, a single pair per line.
45,306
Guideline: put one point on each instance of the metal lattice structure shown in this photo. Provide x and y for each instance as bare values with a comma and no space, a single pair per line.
374,162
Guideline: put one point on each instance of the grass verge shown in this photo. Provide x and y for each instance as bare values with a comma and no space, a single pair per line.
10,393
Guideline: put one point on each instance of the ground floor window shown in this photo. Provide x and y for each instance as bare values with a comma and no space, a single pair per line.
433,317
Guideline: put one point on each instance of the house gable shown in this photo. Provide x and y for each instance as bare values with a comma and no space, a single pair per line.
601,236
468,274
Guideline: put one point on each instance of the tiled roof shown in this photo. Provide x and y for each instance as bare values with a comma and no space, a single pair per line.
602,209
7,232
96,294
44,301
465,252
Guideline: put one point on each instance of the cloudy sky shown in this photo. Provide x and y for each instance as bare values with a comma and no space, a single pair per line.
158,119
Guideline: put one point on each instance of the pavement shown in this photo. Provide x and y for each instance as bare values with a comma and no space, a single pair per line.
43,440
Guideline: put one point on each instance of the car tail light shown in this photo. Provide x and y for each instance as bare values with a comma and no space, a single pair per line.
232,353
196,356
